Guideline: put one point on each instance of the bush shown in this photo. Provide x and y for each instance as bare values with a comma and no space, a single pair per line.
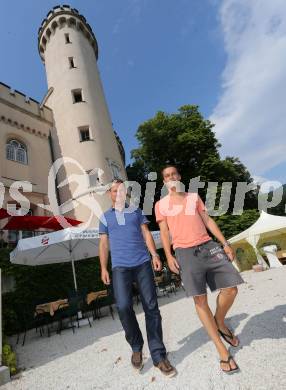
9,359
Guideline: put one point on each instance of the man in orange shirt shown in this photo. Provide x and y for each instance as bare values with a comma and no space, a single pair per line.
200,260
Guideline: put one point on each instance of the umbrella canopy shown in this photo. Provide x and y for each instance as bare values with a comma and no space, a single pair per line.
68,245
4,214
33,222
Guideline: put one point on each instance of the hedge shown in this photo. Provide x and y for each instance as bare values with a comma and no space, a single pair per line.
47,282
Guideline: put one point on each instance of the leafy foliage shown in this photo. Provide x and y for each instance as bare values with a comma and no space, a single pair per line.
188,141
9,358
231,225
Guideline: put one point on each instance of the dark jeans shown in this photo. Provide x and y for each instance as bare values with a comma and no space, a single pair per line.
122,278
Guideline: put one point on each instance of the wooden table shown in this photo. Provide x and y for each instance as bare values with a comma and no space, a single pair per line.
92,296
159,279
51,307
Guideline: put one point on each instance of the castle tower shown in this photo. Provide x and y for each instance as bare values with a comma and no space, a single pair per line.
83,128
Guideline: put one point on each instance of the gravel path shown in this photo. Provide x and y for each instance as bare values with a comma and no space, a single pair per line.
98,357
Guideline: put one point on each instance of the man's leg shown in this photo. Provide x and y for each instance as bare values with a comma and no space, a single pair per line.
208,321
221,275
122,279
225,300
145,281
195,274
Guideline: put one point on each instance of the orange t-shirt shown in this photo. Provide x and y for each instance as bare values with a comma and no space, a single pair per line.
185,224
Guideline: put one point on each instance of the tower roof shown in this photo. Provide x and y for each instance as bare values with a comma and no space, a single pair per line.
59,16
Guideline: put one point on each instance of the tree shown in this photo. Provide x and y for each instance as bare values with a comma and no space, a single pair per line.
188,141
231,225
184,139
280,208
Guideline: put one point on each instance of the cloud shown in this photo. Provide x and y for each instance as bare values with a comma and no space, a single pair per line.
136,7
131,63
133,9
266,185
250,114
259,179
117,25
186,28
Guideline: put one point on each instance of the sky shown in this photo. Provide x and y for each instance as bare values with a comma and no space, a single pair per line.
227,56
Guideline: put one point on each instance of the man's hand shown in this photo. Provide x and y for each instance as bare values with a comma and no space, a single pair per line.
105,276
157,264
173,264
229,251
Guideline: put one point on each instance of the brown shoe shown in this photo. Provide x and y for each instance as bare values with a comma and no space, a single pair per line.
137,360
166,368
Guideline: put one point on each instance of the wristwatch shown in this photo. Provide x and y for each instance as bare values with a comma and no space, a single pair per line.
226,243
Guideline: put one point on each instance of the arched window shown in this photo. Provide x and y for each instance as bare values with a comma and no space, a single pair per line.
16,151
115,169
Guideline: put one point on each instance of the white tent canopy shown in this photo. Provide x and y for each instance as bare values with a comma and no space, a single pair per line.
266,225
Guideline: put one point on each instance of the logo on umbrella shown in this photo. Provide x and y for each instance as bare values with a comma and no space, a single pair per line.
45,240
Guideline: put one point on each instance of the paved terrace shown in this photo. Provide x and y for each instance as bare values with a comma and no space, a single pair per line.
98,357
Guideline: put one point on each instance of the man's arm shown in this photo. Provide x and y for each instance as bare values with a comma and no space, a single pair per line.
103,257
215,230
151,247
165,238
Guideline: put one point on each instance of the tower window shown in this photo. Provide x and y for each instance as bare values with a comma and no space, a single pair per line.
16,151
115,169
67,38
71,62
84,134
77,95
93,177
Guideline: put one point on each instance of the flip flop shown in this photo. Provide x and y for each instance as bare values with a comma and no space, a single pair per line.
231,370
226,336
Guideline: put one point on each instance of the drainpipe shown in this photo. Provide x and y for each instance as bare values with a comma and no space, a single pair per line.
53,159
46,97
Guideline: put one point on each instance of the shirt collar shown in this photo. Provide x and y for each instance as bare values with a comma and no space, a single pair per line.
120,211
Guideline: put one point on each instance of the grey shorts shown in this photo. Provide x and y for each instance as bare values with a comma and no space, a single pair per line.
206,264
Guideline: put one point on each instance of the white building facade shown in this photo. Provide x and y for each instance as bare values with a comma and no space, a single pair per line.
72,123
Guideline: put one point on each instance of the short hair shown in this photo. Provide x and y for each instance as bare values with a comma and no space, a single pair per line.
168,166
115,181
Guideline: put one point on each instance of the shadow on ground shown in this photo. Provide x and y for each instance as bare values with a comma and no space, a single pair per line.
270,324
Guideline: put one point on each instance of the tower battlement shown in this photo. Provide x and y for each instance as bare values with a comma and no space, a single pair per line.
61,16
15,98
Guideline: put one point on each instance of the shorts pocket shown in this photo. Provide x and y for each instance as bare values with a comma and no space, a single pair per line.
217,252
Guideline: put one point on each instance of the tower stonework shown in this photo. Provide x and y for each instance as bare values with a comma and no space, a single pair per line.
83,128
